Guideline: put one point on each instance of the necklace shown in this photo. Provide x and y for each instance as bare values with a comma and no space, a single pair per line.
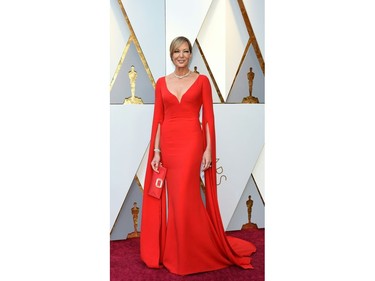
182,76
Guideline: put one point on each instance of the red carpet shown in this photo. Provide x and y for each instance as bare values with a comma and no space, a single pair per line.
126,264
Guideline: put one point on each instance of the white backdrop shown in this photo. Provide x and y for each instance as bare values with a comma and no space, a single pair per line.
223,50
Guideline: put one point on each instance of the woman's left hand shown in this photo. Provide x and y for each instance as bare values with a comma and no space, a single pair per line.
206,160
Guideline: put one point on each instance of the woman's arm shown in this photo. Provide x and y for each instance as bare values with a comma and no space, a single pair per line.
206,161
157,157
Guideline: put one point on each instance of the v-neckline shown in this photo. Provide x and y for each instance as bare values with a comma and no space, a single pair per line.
179,101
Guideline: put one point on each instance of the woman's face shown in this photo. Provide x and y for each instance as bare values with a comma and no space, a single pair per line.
181,55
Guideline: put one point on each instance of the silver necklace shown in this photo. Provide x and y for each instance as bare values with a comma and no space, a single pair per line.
182,76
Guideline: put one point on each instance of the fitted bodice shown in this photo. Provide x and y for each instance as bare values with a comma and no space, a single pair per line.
188,107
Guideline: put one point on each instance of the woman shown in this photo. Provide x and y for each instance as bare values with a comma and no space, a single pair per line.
183,235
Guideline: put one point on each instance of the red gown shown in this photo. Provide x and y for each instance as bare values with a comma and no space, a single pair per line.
186,237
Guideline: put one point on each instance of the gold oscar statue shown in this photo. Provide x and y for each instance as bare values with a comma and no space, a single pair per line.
249,204
133,99
250,98
135,212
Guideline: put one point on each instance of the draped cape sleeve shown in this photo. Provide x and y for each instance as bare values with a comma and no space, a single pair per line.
153,210
237,250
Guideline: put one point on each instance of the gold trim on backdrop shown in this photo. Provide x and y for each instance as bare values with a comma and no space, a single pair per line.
239,67
119,64
209,71
138,182
137,46
252,34
260,194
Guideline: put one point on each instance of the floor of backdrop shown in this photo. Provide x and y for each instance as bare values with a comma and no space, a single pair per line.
127,265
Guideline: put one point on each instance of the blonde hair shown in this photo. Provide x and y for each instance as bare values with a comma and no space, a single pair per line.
177,42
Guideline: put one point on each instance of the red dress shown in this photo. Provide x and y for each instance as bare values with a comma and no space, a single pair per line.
190,238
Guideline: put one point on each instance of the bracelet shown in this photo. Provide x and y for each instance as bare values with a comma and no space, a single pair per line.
157,150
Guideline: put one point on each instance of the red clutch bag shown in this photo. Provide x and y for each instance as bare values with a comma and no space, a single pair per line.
157,182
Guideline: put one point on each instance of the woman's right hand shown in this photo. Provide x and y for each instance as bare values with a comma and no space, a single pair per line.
156,162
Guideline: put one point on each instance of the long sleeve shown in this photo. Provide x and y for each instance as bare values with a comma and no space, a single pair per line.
153,210
237,250
209,119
